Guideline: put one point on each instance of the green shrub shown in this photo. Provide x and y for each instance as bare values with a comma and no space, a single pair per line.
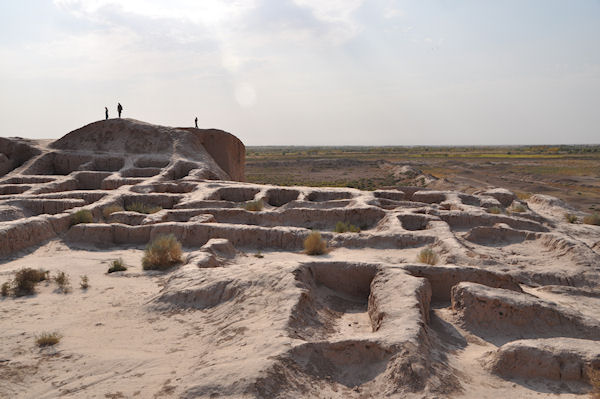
5,289
428,256
254,206
341,227
495,210
117,265
48,339
84,283
571,218
141,207
259,255
62,281
162,253
82,216
592,219
109,210
26,279
314,244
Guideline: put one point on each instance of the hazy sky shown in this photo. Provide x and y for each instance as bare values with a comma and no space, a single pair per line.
322,72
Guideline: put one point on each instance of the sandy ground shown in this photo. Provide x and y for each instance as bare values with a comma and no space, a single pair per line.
114,345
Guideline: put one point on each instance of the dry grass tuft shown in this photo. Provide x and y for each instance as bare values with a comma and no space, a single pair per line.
162,253
117,265
62,281
82,216
428,256
109,210
518,208
592,219
84,283
314,244
47,339
254,206
26,280
571,218
523,195
141,207
495,210
341,227
5,289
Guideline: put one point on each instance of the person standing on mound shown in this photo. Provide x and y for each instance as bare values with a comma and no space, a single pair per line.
106,113
119,109
196,122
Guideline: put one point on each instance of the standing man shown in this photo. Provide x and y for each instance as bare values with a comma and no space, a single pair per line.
196,122
106,113
119,109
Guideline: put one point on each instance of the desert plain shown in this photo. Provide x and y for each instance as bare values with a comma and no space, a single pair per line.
462,277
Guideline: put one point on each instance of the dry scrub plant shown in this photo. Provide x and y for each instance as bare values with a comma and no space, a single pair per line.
84,283
571,218
341,227
141,207
5,289
314,244
592,219
428,256
116,265
26,280
48,339
494,210
82,216
162,253
518,208
254,206
62,281
109,210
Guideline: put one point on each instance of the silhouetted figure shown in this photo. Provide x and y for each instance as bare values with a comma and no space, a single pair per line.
106,112
119,109
196,122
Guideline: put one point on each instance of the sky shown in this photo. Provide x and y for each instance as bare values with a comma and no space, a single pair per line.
308,72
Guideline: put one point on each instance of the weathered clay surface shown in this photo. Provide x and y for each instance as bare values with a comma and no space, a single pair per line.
554,358
259,317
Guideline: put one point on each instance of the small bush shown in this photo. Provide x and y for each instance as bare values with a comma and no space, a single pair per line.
109,210
26,279
162,253
523,195
314,244
82,216
47,339
254,206
495,210
571,218
428,256
117,265
518,209
259,255
592,219
341,227
141,207
62,281
84,283
5,289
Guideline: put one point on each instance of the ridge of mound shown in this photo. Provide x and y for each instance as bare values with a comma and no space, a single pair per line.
130,136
